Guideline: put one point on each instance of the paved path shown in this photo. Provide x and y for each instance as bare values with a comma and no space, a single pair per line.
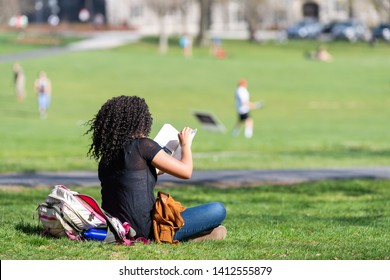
94,41
217,178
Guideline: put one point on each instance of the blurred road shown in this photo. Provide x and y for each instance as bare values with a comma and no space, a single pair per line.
215,178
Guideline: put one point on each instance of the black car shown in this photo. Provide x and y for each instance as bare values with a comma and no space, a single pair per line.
306,29
351,30
327,29
381,32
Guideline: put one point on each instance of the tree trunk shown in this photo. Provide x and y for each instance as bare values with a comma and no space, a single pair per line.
251,31
351,13
204,22
163,41
8,9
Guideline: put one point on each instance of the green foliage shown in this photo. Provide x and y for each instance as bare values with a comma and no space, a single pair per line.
321,221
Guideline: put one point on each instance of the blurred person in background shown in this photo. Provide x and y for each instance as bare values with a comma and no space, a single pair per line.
243,108
321,54
19,82
43,90
185,43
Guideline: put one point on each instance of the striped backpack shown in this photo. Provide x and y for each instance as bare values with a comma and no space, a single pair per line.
66,213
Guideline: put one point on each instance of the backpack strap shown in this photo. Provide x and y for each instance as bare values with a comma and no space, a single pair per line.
122,233
117,232
64,220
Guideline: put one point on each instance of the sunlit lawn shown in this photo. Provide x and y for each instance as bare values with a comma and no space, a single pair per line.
315,114
330,220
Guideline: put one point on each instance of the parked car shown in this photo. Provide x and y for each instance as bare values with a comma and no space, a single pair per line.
381,32
351,30
306,29
326,33
327,28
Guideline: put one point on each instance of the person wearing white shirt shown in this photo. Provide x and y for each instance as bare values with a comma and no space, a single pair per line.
243,107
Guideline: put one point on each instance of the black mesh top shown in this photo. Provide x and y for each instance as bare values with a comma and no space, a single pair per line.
128,185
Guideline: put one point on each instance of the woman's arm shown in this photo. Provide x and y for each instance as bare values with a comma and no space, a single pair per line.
178,168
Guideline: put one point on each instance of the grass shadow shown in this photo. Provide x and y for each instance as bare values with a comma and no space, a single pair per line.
29,229
367,221
173,41
341,152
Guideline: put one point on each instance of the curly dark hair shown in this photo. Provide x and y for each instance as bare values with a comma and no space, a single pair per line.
119,119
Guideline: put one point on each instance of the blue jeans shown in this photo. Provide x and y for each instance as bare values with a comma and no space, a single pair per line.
200,219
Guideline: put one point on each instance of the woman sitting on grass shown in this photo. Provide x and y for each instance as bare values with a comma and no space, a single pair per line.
128,160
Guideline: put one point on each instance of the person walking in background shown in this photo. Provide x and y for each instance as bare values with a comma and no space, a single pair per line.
43,89
243,107
128,160
19,82
216,48
185,43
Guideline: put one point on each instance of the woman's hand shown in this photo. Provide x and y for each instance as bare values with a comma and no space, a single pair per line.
178,168
186,136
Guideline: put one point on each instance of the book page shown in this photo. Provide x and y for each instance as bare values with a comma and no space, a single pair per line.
168,139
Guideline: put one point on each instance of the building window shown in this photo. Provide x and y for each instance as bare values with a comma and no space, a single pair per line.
341,6
136,11
311,10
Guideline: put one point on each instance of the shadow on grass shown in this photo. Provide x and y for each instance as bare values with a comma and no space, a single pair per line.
273,193
153,40
368,220
29,228
358,151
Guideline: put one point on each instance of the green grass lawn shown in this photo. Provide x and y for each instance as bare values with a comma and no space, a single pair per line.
315,114
18,42
330,220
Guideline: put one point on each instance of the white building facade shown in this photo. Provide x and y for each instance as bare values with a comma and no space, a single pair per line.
227,16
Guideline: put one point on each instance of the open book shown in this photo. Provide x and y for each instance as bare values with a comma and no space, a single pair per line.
168,139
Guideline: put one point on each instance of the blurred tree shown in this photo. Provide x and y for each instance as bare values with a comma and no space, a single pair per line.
162,8
204,21
351,13
252,15
183,7
27,6
383,8
8,9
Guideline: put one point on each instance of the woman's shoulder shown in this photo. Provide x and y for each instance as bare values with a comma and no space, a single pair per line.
147,141
141,142
146,147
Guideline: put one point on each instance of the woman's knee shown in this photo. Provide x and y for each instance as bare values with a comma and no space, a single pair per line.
218,210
